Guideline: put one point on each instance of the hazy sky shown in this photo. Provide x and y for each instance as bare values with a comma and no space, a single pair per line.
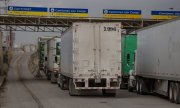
95,9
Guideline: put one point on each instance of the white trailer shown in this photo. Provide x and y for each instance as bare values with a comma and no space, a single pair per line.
53,58
42,51
91,58
158,60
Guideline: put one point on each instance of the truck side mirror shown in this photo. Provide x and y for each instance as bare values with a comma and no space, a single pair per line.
45,58
56,59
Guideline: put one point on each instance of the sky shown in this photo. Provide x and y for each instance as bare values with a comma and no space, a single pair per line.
95,10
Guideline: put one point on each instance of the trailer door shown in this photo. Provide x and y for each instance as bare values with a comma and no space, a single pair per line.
110,49
84,50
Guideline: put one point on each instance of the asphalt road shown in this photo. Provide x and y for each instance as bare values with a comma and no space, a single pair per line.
22,90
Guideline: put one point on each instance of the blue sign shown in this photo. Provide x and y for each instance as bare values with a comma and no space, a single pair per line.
29,11
126,14
164,14
34,9
110,11
68,10
176,13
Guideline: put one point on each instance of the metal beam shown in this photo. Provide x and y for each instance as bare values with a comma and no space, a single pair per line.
52,24
32,28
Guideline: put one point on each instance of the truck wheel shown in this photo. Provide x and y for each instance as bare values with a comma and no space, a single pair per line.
137,86
52,78
177,93
61,82
45,71
72,90
71,87
171,97
62,86
141,87
48,75
106,93
130,89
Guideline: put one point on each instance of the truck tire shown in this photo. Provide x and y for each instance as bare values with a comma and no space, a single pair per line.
106,93
61,82
141,87
72,90
177,93
130,89
52,78
137,86
171,92
48,75
45,70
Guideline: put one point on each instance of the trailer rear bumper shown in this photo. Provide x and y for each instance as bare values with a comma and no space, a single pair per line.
103,83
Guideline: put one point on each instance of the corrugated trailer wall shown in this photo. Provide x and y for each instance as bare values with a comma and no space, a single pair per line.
158,52
158,60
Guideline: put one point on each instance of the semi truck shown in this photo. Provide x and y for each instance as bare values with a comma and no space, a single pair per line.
91,58
129,47
53,58
157,67
42,51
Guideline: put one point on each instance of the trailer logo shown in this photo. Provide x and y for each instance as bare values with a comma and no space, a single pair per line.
109,28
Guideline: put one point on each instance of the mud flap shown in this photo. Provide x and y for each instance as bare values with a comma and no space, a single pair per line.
72,90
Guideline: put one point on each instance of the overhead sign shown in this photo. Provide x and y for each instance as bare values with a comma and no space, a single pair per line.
164,14
32,11
131,14
68,12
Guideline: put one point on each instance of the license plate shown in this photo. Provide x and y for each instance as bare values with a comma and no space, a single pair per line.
97,80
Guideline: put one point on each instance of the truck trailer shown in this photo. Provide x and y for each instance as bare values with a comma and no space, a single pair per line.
158,60
53,58
42,50
91,58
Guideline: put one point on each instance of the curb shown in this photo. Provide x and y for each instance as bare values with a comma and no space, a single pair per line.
2,80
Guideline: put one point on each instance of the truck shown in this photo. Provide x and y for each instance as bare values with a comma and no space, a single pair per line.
53,58
42,51
157,61
129,47
91,58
